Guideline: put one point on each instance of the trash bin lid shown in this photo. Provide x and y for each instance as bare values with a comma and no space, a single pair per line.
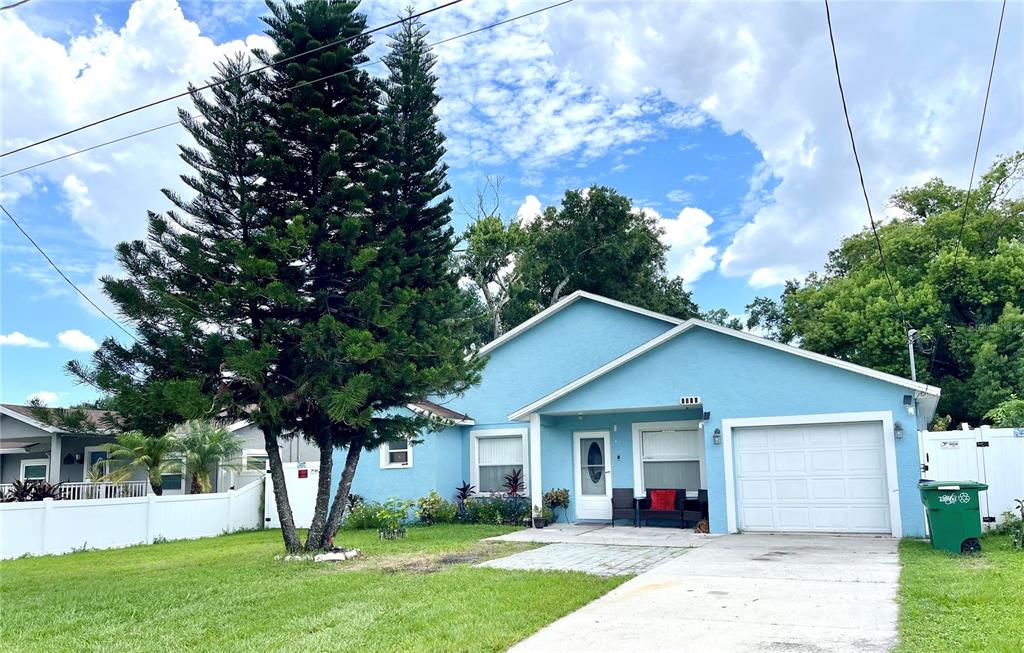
943,486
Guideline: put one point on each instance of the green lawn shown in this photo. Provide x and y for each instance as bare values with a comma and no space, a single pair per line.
229,594
962,604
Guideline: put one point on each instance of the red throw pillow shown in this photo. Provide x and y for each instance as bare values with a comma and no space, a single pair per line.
663,500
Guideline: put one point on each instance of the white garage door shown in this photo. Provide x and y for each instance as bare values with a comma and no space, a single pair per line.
817,477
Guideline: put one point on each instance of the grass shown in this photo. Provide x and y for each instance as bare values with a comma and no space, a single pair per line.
962,604
229,594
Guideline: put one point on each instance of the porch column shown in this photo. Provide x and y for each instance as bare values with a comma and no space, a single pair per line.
55,459
536,480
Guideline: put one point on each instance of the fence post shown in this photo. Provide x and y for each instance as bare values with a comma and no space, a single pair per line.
231,510
150,501
47,509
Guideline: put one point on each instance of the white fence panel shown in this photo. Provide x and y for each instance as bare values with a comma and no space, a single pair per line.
42,527
300,479
987,455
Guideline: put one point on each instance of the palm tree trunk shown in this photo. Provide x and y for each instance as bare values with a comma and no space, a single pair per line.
197,487
284,509
323,492
355,448
156,482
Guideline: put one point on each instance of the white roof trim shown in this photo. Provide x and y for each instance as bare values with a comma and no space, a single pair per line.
524,412
565,302
469,421
31,421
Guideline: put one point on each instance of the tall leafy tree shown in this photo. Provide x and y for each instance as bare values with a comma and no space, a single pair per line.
596,241
421,332
962,295
212,292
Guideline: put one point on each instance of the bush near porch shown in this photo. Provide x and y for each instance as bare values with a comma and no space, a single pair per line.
229,594
967,604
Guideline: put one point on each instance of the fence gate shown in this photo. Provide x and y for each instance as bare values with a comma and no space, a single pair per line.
991,456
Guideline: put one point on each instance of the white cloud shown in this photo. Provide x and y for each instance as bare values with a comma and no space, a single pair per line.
155,54
19,339
46,397
772,276
695,178
679,196
529,210
75,340
689,255
767,72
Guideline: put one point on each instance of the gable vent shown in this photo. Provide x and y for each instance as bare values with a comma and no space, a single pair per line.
689,401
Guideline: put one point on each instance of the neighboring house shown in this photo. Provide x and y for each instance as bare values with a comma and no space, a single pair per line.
593,394
32,450
251,465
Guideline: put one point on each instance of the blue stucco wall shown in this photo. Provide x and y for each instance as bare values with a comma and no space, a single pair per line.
566,346
562,348
437,464
736,378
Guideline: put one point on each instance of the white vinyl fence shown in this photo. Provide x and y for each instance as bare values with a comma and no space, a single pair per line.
48,526
987,455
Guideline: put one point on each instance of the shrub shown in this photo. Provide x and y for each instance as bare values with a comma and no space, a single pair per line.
362,516
496,510
1013,525
434,509
390,514
33,491
514,485
556,498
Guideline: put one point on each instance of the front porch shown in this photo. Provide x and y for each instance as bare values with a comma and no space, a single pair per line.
598,454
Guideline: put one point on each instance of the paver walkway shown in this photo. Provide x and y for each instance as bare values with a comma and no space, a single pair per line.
745,593
599,559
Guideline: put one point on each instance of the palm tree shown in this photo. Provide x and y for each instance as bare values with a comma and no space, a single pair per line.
157,455
205,446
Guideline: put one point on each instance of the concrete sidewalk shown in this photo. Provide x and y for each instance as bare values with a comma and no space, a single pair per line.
742,593
683,538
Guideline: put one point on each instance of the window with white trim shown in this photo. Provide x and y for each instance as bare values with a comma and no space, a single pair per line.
34,470
671,460
396,455
497,456
254,460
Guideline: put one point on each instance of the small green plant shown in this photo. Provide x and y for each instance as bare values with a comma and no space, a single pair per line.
434,509
514,485
362,516
20,491
33,491
556,498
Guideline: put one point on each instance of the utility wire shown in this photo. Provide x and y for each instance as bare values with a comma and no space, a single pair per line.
231,79
860,173
61,273
977,145
292,88
15,4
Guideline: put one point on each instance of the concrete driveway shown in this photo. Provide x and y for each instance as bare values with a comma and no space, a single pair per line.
791,593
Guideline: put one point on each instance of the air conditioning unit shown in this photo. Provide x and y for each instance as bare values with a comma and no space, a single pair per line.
689,401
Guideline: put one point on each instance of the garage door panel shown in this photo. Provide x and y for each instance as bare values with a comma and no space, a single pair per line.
752,462
789,461
791,489
807,478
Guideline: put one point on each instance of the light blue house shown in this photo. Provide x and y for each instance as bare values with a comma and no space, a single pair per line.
593,394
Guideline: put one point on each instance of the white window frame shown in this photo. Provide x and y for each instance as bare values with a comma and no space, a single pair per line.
253,453
85,460
474,448
639,483
385,456
35,461
186,479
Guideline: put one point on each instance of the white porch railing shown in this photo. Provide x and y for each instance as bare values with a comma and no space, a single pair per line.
76,491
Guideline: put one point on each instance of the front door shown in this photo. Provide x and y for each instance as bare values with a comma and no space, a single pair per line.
593,475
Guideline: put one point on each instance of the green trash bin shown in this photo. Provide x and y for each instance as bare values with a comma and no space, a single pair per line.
954,514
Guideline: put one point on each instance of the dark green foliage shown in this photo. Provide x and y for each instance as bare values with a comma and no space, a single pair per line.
514,485
32,491
496,510
964,302
464,491
434,509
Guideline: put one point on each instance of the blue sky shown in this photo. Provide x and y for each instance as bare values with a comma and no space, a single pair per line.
731,135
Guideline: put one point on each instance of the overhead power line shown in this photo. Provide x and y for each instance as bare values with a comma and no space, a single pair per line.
977,145
64,276
292,88
230,79
860,173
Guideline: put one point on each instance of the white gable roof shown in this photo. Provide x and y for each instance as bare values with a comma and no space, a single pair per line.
922,388
564,303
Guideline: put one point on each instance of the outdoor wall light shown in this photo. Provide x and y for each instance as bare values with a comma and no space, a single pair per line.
717,437
897,431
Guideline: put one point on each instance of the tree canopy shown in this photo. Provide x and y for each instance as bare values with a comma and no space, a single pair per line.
962,295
